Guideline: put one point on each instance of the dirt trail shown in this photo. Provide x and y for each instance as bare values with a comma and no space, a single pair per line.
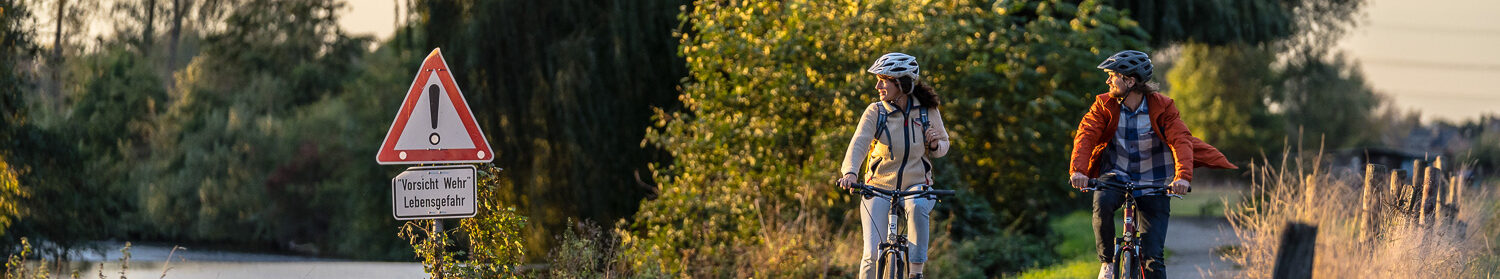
1191,242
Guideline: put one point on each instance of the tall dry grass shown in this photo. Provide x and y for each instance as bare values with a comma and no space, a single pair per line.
1304,190
807,245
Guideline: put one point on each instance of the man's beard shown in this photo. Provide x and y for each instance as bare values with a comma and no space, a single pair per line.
1119,94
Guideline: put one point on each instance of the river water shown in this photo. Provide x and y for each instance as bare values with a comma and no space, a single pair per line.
151,261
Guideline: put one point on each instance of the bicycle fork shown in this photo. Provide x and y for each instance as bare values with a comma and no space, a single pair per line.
892,238
893,247
1126,242
890,232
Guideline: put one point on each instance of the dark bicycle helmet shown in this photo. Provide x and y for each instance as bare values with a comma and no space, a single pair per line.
1131,63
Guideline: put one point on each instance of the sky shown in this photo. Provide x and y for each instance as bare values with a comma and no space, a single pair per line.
1438,57
1431,56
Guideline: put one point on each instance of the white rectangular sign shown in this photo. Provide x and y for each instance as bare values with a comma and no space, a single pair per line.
434,193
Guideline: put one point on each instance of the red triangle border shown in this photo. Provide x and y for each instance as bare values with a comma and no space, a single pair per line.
388,155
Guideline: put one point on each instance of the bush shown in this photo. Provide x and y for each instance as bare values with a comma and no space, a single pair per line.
10,198
492,247
584,250
988,256
774,85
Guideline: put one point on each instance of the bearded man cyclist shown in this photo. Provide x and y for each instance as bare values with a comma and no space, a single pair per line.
1136,133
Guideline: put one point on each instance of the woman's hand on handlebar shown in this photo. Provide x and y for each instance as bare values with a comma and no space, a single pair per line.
848,180
1078,181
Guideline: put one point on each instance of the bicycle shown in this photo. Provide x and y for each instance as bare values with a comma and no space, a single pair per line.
893,249
1127,246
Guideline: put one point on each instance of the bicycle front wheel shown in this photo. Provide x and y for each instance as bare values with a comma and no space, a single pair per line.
892,265
1125,265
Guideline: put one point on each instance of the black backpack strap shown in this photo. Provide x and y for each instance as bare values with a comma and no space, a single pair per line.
925,125
880,120
923,111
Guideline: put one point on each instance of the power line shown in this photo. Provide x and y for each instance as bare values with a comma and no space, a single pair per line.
1409,63
1468,31
1446,95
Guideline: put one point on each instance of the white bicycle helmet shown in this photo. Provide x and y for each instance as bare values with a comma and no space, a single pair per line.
896,65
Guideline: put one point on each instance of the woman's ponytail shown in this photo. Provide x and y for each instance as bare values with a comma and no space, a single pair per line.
921,91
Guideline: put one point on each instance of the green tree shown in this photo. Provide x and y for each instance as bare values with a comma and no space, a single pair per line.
775,85
41,162
1328,100
1249,22
565,90
16,48
1225,94
1214,22
233,157
46,164
109,123
1322,93
1247,96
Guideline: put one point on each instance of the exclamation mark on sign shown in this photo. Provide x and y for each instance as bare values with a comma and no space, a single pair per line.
432,98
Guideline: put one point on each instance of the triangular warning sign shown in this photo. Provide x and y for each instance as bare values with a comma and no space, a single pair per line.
434,124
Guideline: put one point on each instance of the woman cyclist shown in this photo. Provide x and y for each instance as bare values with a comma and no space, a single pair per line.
906,129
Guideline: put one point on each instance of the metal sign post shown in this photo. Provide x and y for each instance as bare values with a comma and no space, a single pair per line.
437,243
435,193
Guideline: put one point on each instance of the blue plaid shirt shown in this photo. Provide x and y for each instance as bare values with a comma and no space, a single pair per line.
1136,152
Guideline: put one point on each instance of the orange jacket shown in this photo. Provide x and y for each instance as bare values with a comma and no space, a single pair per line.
1097,129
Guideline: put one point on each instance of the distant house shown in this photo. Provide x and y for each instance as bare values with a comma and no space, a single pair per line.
1424,143
1391,158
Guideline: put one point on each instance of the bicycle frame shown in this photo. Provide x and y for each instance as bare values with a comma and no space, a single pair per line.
894,246
1127,246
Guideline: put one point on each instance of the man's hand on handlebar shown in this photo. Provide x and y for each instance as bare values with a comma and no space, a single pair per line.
849,180
1179,187
1079,181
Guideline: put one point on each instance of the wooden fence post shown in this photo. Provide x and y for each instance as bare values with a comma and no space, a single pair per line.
1309,193
1463,182
1424,205
1459,226
1439,174
1416,172
1439,201
1396,175
1299,243
1370,204
1454,197
1397,191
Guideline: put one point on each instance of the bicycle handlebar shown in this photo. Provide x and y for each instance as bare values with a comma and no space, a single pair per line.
868,190
1096,185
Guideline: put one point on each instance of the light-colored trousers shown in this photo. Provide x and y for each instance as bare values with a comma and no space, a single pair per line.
874,213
